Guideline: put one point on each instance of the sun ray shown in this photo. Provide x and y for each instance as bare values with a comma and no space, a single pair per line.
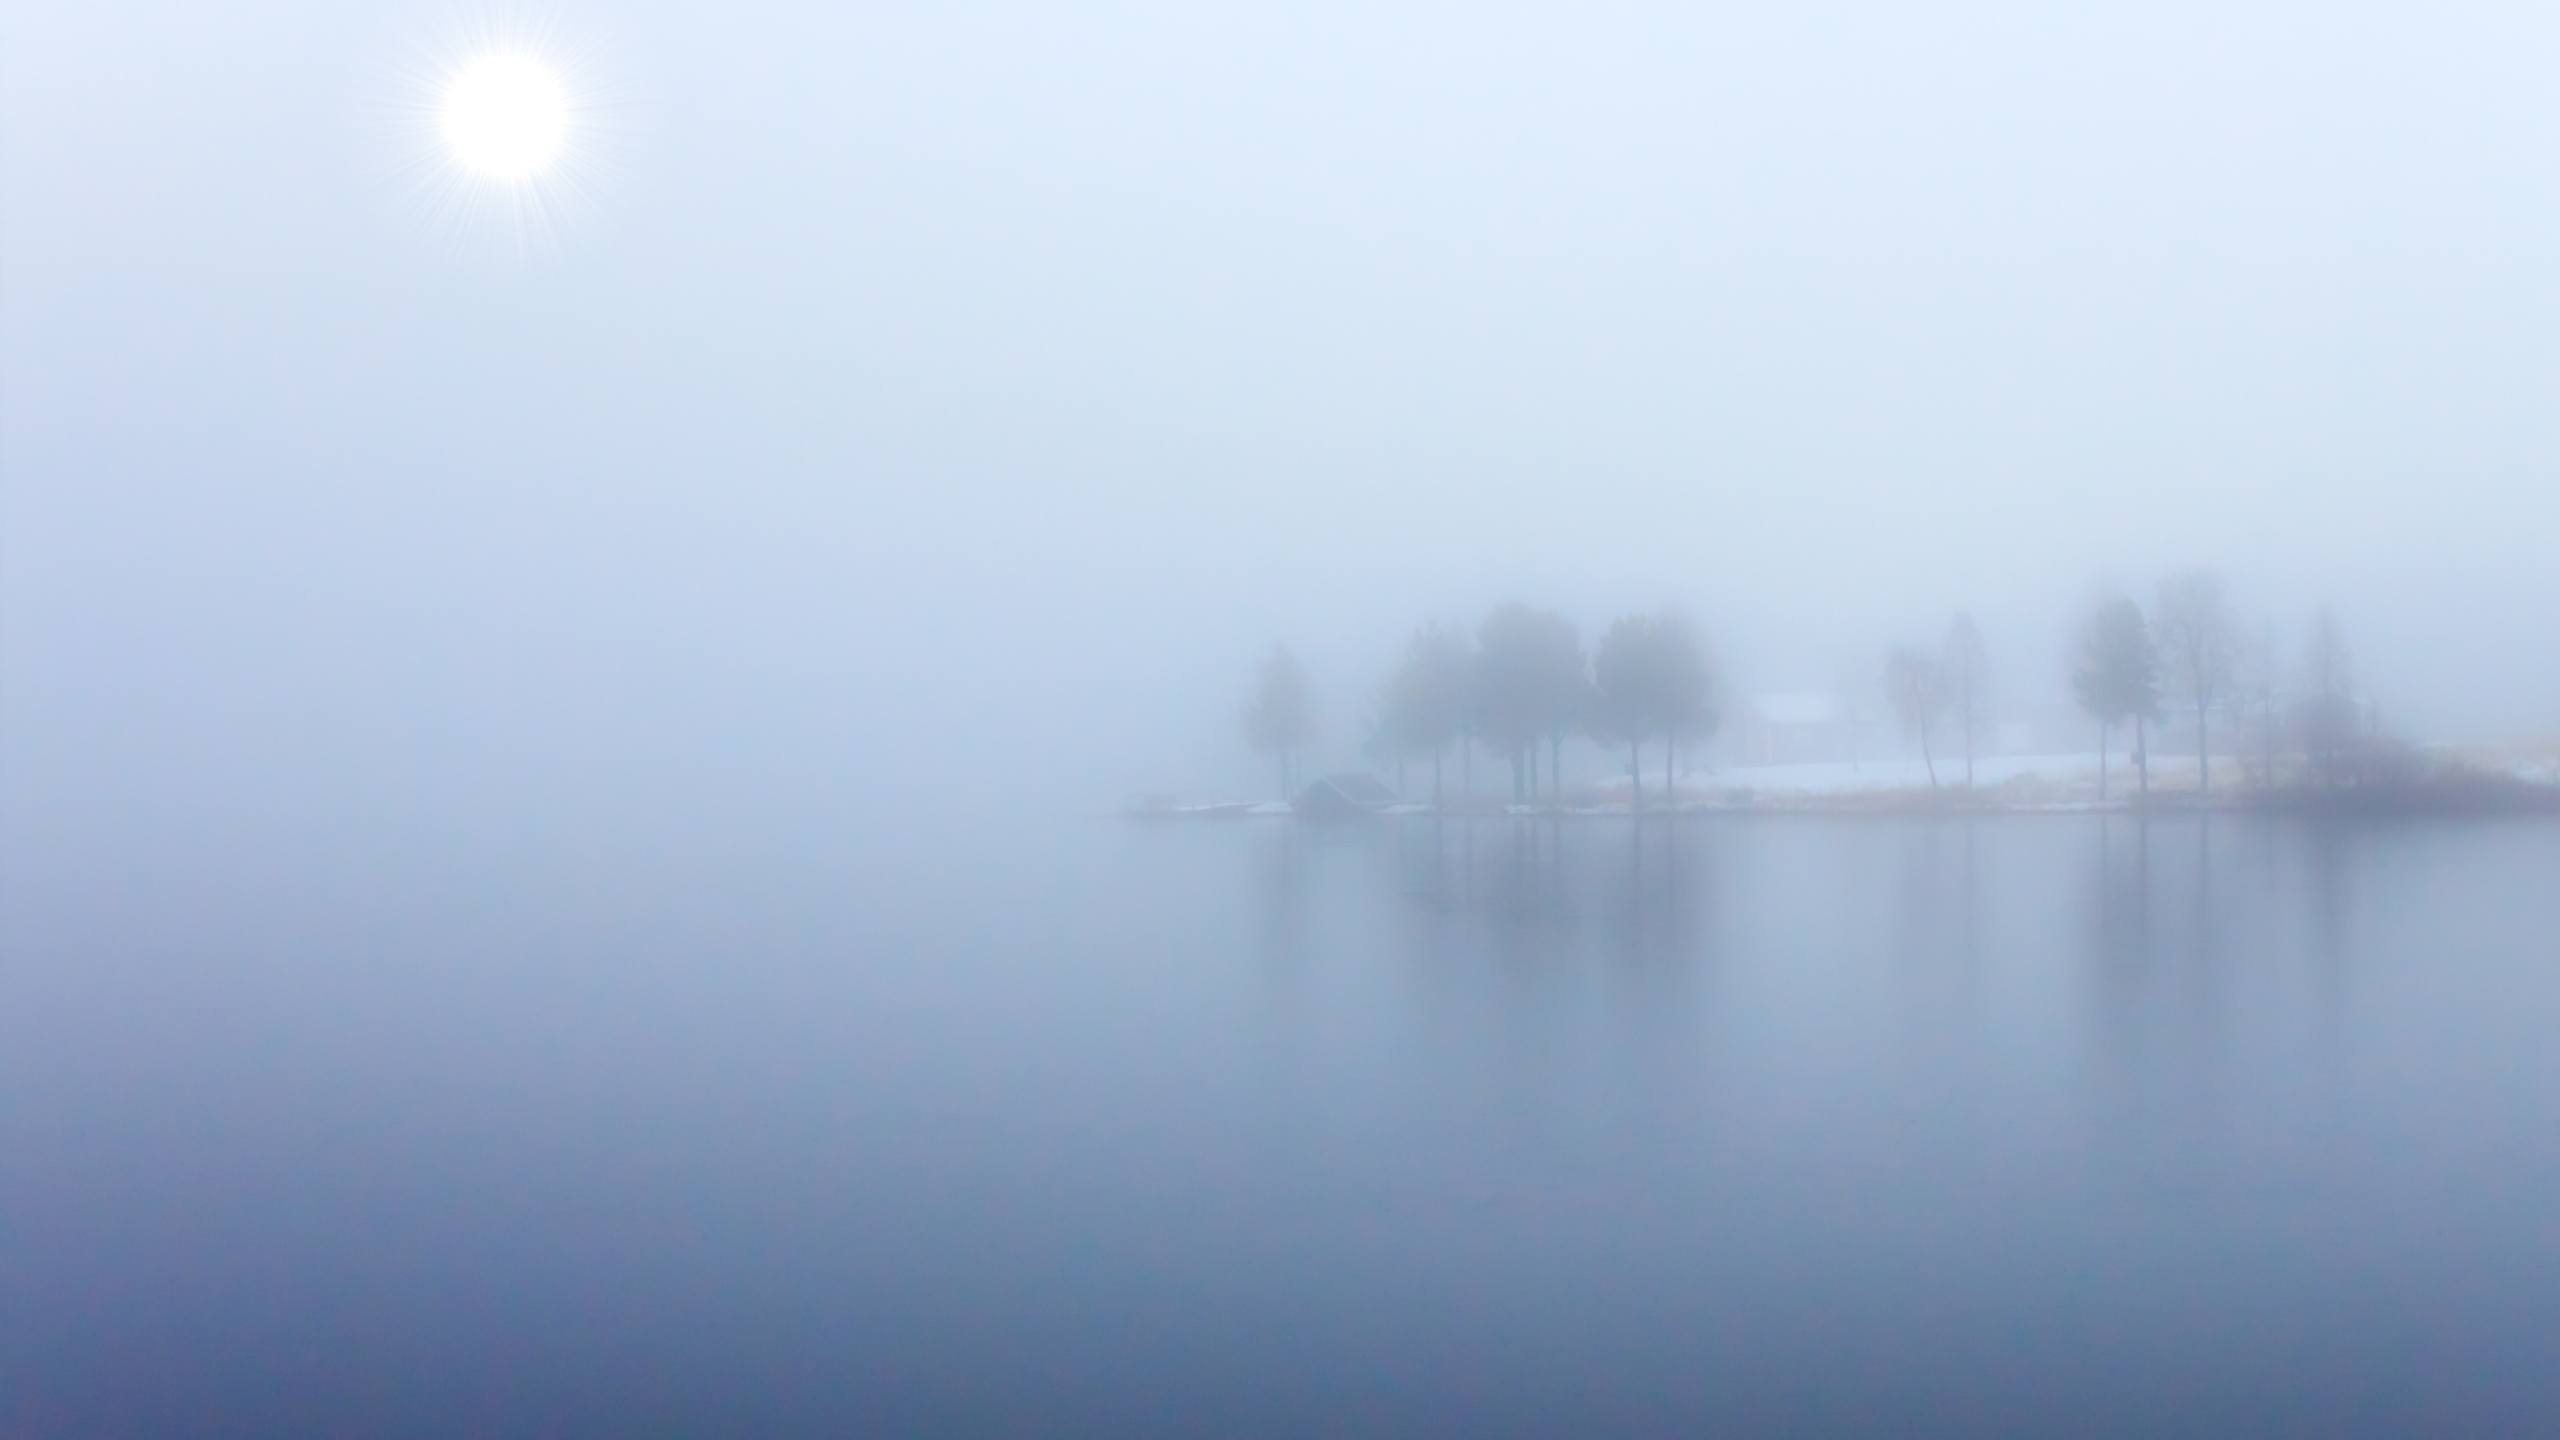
503,134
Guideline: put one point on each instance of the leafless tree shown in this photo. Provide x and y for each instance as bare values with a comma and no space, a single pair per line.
2200,647
1913,683
1965,673
2252,698
2328,712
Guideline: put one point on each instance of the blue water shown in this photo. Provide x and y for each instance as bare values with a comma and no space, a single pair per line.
2051,1125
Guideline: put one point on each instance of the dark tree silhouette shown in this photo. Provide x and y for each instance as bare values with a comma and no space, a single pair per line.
1624,689
1427,697
1964,674
1913,683
2328,712
1507,700
1281,717
1687,689
1563,689
2200,647
1530,686
1380,741
2116,676
1650,677
2253,698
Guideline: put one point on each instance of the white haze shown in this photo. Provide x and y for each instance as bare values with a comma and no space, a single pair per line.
953,401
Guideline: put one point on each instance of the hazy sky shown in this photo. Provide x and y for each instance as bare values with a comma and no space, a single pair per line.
932,391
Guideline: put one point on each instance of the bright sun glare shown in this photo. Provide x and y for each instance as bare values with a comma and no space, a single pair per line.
505,116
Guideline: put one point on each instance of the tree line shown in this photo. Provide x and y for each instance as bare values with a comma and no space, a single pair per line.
2192,649
1520,683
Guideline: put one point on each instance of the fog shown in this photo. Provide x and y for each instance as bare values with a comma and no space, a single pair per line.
560,752
959,401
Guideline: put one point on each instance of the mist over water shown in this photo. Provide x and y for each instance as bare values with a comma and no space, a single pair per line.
557,858
1922,1126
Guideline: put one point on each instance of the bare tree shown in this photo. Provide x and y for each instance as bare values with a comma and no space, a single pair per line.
2253,699
2328,711
2115,674
2200,645
1281,717
2327,669
1965,675
1912,683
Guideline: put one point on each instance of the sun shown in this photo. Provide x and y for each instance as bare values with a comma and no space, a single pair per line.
507,134
504,116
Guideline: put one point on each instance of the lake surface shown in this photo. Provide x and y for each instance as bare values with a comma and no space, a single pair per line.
2055,1125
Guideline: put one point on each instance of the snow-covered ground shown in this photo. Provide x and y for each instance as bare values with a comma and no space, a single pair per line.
2066,781
2034,778
1842,777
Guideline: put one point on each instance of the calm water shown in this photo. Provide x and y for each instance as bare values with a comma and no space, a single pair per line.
2049,1125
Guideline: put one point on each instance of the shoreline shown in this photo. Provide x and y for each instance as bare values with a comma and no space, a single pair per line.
2447,797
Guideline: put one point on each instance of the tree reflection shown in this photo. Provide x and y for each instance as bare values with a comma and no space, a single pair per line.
2332,918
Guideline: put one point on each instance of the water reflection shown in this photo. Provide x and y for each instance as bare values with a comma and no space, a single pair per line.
1951,921
1281,895
2174,910
1525,875
2328,850
2018,1125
